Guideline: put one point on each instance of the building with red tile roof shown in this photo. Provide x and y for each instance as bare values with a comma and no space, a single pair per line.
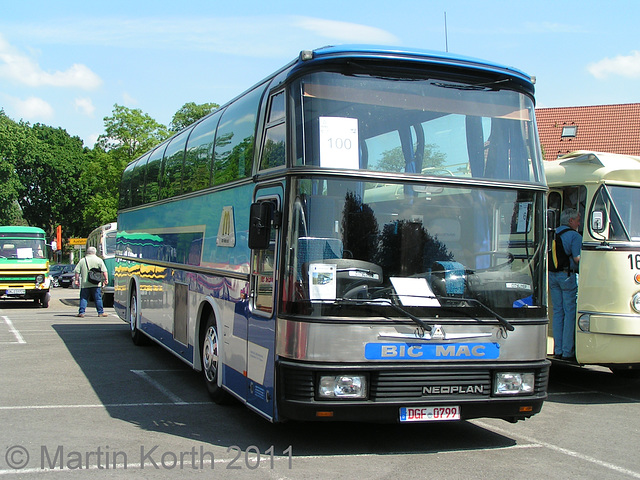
600,128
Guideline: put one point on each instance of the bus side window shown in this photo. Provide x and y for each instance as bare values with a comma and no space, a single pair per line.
273,150
125,186
196,174
172,166
137,181
151,191
234,145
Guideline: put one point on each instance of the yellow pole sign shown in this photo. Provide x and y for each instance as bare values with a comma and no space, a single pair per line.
77,241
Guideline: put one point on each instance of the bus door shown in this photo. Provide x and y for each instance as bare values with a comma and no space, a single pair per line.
264,240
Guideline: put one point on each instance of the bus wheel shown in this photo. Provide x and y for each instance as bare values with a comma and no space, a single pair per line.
136,335
44,300
211,362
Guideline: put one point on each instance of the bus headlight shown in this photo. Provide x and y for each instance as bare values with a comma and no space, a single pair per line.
342,386
39,278
584,322
513,383
635,302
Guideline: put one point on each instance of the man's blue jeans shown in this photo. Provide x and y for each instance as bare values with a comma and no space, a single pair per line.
564,296
91,293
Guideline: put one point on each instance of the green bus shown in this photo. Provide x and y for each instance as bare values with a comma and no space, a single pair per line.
24,267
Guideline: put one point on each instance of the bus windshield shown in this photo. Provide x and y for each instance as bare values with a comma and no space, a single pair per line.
22,246
619,204
110,243
419,247
418,126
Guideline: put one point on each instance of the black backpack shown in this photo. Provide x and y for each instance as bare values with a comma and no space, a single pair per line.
558,258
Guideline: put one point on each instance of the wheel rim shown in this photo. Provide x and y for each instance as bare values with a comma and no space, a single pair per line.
133,313
210,354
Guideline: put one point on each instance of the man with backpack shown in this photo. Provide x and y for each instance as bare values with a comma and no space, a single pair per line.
90,273
563,284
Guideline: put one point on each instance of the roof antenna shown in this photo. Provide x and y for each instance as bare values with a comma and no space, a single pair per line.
446,38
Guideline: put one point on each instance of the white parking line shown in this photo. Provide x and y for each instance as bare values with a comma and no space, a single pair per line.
556,448
13,330
175,398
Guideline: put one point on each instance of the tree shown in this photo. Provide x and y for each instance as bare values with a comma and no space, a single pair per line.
51,191
189,113
102,178
129,133
393,160
13,145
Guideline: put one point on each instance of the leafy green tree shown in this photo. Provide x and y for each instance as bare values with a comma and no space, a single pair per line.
51,191
130,132
393,160
13,145
101,178
189,113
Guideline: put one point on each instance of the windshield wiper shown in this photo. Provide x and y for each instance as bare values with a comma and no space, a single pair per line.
388,303
503,321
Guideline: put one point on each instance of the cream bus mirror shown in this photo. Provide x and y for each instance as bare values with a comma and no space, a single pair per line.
597,221
260,225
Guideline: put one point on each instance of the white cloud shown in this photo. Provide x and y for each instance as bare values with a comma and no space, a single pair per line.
22,69
247,36
622,65
345,31
128,100
85,106
32,109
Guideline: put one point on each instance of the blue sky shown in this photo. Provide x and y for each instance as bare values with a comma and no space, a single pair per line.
66,63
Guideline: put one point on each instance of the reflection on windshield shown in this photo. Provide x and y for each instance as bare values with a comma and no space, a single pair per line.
435,248
417,126
21,248
624,213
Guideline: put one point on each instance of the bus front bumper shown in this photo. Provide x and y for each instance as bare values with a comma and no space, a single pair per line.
394,390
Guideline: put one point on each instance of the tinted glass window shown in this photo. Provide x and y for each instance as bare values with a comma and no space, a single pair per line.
277,108
153,173
172,166
125,186
234,146
273,154
137,181
196,174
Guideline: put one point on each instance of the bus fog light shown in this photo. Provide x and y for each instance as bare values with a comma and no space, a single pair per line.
635,302
513,383
342,386
584,322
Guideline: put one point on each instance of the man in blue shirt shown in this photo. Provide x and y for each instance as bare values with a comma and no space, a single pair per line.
564,287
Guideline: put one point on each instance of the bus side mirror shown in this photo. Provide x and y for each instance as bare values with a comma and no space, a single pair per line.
597,221
260,225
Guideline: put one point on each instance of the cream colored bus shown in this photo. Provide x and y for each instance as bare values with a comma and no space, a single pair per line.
605,189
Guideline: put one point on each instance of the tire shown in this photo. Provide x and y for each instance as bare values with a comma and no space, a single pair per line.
44,300
136,335
211,362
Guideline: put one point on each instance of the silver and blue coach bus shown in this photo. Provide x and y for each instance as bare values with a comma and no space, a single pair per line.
360,236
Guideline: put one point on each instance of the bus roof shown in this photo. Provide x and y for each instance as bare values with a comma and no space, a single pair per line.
415,54
584,166
20,229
